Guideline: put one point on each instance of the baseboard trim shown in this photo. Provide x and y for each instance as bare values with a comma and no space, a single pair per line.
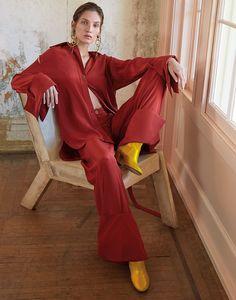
217,242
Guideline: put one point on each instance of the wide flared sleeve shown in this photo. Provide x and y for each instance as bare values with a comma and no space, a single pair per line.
34,81
123,72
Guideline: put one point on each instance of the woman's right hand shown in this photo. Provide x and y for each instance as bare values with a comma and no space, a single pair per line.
50,97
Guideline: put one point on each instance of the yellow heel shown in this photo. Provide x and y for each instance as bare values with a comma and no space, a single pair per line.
139,275
128,154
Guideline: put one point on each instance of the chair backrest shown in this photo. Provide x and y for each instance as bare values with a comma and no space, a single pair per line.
45,135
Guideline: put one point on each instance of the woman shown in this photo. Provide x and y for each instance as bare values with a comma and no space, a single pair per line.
81,85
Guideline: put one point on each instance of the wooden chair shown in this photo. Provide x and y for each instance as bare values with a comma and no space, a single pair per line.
46,141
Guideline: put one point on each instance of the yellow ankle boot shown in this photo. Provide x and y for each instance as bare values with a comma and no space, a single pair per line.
128,154
139,275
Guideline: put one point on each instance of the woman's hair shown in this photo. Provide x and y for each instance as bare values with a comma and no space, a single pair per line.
88,6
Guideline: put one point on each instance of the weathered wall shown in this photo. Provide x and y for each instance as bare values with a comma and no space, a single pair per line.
28,28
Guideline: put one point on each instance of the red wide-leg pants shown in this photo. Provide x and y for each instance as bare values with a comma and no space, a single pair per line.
137,120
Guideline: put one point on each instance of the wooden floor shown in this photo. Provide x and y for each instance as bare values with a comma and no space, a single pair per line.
50,253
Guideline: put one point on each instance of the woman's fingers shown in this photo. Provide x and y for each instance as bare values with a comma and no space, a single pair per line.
44,98
55,95
175,77
181,79
52,101
50,97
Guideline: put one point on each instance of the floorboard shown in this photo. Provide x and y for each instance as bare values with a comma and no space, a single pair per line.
50,253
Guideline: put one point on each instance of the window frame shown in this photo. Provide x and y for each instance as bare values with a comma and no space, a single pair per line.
198,97
209,109
186,28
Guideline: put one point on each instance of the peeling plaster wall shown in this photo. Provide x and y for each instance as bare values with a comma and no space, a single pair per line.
28,28
147,28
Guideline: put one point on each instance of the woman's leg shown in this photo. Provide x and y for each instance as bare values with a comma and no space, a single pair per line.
138,119
119,239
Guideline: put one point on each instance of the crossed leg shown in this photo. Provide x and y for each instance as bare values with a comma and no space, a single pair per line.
138,119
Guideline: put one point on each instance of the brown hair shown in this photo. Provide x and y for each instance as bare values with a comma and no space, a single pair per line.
88,6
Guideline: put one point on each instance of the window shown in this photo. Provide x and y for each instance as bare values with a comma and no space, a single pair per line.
203,37
191,11
221,106
186,25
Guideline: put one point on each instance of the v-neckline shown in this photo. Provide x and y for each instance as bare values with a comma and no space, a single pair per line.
84,69
86,63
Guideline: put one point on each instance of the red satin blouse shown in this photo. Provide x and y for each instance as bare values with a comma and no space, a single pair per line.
61,65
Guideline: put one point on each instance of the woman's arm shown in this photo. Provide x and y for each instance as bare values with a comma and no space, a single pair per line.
35,82
33,77
124,72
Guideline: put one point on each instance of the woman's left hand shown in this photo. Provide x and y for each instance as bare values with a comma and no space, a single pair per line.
177,72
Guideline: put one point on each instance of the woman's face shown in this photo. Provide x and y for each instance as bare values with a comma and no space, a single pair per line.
87,28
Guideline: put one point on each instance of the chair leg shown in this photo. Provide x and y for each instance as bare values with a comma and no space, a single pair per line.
36,189
164,194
